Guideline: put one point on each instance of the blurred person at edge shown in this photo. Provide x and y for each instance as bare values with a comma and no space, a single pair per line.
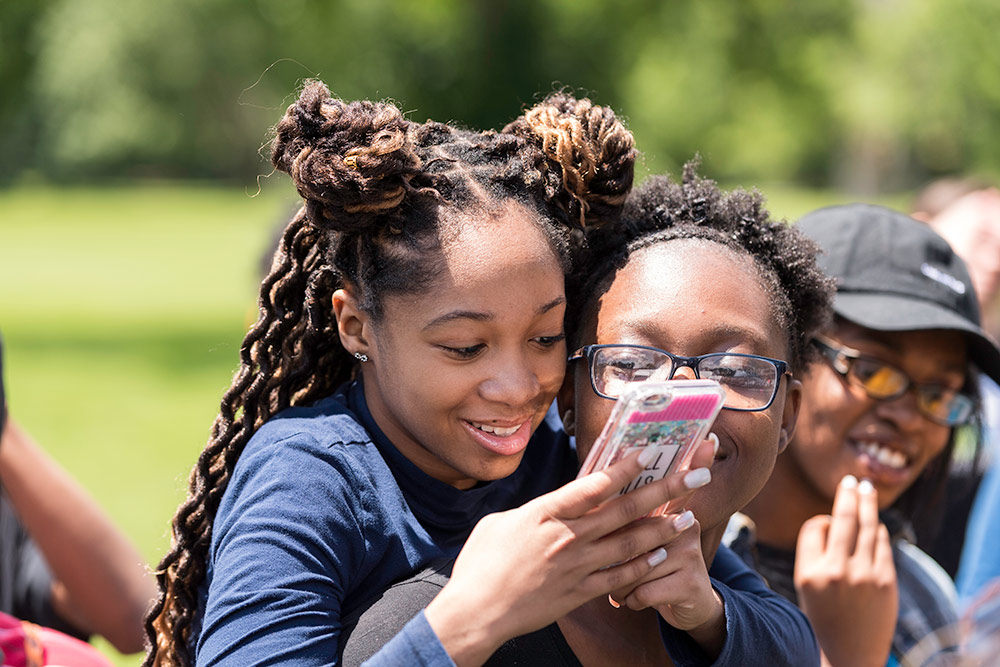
894,379
967,214
71,571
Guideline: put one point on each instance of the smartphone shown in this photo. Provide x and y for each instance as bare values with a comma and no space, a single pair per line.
673,416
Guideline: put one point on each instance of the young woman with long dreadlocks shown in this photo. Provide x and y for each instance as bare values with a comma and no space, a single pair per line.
410,341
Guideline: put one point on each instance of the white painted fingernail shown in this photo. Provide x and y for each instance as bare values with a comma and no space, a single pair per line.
697,478
684,520
849,482
646,456
715,443
657,557
865,487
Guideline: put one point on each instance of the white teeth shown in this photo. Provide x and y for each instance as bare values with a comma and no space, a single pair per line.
885,456
496,430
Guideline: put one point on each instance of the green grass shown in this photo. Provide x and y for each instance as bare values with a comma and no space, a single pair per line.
122,312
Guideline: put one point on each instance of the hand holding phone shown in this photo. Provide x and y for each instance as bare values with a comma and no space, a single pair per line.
673,416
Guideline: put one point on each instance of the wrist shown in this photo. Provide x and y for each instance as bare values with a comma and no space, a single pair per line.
466,636
710,635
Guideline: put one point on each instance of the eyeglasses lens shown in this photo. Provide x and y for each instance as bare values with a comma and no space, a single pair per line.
615,367
882,381
748,382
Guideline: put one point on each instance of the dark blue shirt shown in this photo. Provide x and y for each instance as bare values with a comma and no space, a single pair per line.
321,513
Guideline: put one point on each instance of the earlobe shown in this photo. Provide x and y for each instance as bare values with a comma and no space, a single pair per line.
790,413
352,323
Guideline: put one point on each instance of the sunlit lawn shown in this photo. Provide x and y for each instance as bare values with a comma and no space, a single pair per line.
122,310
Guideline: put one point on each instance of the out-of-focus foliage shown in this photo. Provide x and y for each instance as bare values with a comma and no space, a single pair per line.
868,94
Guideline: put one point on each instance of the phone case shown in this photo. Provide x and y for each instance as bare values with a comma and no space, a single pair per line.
673,416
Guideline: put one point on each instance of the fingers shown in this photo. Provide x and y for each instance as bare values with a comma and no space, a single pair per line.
813,537
638,503
582,495
644,536
883,551
868,523
844,526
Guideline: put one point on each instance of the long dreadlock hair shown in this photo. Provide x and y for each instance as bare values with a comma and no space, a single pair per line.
375,187
661,210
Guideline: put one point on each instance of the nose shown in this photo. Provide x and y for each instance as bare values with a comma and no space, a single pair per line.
684,373
512,381
904,411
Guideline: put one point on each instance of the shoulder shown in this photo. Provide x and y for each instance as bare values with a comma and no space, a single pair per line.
306,442
306,467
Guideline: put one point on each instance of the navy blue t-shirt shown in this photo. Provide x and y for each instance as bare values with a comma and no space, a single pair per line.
321,513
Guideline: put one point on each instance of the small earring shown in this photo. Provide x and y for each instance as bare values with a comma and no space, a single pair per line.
361,357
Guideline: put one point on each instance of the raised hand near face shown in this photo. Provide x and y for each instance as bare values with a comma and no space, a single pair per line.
846,580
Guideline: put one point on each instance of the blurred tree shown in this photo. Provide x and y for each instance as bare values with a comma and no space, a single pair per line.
865,94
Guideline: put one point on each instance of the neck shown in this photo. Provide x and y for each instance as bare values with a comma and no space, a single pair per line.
785,503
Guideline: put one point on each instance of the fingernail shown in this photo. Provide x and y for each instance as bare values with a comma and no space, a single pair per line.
849,482
657,557
697,478
865,487
647,455
684,520
614,604
715,443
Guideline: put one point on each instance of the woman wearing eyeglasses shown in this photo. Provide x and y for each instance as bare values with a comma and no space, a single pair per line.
882,404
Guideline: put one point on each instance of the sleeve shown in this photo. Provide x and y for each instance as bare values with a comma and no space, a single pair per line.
762,627
287,544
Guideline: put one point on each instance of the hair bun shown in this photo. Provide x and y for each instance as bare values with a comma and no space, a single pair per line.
592,149
350,162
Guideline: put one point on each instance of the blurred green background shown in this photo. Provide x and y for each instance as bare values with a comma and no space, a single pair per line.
136,200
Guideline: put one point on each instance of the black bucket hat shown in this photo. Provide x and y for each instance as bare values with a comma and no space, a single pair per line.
896,274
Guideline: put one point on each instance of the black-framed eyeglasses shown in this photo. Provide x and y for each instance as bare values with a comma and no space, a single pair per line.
750,381
885,382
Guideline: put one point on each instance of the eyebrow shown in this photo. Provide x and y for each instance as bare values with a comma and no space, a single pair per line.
478,316
718,332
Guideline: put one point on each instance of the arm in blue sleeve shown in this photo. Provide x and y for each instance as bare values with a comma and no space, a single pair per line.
415,645
762,627
286,546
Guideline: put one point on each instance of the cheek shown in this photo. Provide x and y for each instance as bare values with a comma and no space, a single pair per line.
935,442
590,419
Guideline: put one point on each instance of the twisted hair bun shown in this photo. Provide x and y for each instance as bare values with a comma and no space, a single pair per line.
590,151
350,162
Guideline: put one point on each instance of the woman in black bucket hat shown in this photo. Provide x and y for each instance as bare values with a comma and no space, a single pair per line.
892,387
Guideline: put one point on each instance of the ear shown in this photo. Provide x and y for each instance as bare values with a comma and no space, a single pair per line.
353,324
566,403
790,413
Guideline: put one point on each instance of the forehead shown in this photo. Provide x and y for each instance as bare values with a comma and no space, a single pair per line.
693,296
495,266
488,242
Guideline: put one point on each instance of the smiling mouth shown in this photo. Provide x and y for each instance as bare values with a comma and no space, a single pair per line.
498,431
885,456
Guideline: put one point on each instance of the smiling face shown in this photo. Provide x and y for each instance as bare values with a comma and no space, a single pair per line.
843,431
462,373
690,298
